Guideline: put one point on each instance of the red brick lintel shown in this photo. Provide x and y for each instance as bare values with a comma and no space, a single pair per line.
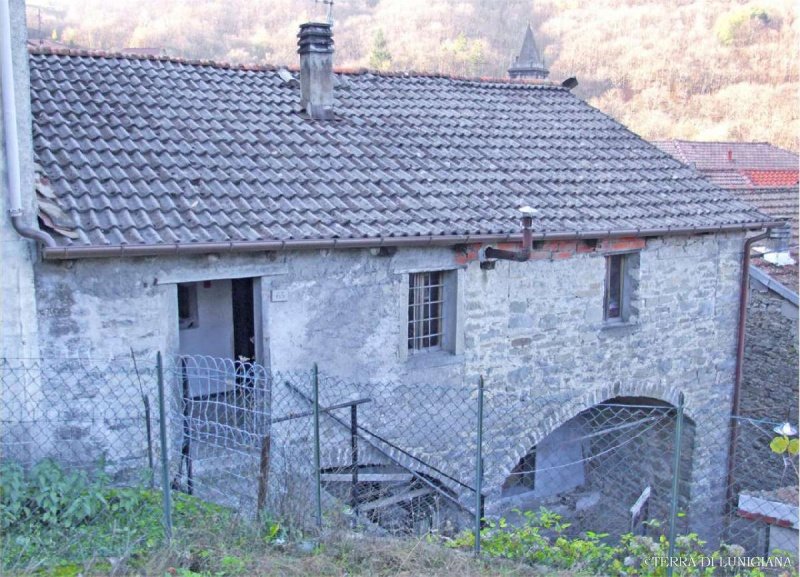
764,518
556,249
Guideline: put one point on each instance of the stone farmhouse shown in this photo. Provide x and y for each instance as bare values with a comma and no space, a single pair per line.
370,222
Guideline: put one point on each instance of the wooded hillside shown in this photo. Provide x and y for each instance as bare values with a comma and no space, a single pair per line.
697,69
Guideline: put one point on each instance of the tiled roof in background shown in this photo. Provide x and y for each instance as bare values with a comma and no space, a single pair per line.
755,172
787,275
146,151
779,203
728,179
773,178
730,155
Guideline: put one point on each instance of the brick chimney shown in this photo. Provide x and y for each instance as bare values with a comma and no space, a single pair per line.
315,46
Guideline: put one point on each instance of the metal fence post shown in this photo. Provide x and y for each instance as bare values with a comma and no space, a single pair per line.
162,425
317,473
147,422
354,462
676,473
186,446
479,470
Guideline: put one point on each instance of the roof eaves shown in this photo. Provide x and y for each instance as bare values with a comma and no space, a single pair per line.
73,252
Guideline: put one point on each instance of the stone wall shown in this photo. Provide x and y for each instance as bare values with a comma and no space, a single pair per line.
533,330
769,380
769,387
17,254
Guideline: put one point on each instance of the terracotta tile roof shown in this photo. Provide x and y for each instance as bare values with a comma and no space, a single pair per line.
755,172
779,203
773,178
730,155
150,151
737,164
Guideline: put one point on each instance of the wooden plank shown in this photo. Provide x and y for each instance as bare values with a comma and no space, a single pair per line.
368,477
640,502
370,505
263,477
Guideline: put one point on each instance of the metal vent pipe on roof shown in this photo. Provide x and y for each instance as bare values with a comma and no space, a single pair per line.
780,236
315,46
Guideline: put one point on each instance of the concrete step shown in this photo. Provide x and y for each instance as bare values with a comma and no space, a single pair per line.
391,500
368,477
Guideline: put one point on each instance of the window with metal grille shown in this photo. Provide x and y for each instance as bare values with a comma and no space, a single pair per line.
426,311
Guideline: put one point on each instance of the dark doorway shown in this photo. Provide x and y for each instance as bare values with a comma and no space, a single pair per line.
244,341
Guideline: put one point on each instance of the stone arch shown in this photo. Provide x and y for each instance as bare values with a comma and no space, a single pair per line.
515,449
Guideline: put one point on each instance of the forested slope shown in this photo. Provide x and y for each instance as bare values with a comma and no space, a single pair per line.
700,69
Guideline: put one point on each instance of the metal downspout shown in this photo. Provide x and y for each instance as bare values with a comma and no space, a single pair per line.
740,342
32,233
11,137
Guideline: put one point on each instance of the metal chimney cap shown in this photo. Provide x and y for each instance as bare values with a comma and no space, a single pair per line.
780,231
527,210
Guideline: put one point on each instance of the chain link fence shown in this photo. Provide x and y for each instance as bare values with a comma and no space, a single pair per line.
313,450
635,476
761,498
80,453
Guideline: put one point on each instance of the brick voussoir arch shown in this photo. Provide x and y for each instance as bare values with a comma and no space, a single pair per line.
498,470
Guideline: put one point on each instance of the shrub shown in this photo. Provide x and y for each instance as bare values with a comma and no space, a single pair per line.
733,26
541,539
48,496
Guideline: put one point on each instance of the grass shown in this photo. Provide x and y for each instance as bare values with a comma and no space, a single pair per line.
126,538
205,554
339,556
129,527
69,526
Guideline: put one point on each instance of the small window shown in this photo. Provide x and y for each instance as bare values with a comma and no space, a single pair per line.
615,281
187,306
621,282
425,311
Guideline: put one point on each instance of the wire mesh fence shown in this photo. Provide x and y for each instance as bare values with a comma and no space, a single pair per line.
608,469
307,448
403,457
79,451
633,476
762,495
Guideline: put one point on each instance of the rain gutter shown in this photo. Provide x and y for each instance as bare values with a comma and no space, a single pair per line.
128,250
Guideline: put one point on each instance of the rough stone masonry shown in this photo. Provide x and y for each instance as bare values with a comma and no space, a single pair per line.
533,330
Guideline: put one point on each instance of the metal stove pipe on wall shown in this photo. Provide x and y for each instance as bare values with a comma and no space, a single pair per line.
491,253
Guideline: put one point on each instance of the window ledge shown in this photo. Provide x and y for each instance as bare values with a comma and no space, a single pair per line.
611,325
427,360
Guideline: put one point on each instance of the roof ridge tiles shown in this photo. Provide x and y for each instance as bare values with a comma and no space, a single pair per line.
253,67
717,141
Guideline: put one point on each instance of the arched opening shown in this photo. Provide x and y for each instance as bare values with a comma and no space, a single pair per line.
609,468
